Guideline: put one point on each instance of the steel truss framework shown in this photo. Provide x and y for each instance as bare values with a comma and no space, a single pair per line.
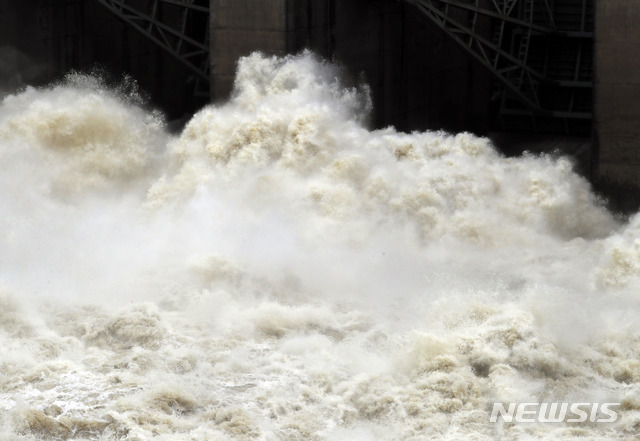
180,27
539,51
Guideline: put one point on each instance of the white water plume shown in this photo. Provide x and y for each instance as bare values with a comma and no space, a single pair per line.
279,271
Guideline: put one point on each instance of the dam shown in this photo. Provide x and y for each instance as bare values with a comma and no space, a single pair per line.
548,74
313,221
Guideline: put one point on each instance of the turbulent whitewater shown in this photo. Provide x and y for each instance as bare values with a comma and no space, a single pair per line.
278,271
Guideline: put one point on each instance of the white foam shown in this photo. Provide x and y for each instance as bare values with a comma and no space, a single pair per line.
280,271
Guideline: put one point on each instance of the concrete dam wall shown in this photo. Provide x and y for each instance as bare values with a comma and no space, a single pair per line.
418,76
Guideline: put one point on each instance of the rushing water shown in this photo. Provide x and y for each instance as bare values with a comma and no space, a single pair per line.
280,272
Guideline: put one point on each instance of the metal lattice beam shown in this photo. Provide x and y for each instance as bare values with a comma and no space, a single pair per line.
503,65
505,35
190,50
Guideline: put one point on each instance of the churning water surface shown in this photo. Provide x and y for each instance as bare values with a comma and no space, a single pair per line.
280,272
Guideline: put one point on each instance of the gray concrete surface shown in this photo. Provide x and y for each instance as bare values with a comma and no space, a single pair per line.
617,91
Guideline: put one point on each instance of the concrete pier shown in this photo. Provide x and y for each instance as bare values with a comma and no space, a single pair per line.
617,92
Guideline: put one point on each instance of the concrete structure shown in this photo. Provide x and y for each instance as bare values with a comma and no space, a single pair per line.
419,77
617,92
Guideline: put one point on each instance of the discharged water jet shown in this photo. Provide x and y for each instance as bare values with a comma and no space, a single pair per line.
279,271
